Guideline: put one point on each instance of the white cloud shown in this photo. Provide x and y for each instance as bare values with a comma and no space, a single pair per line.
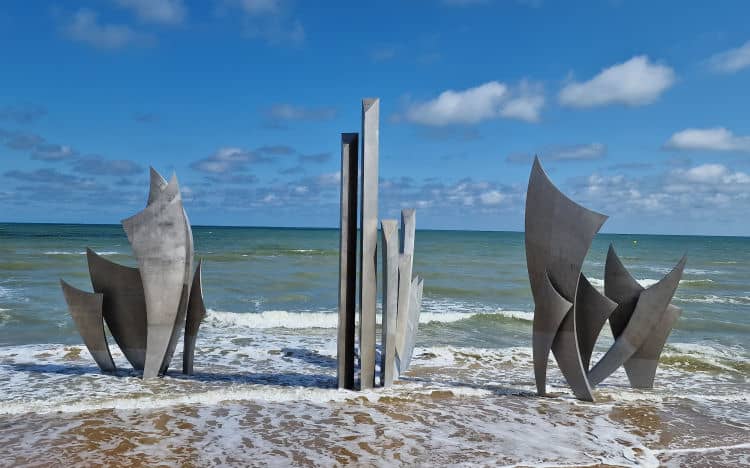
710,139
493,197
487,101
634,83
704,192
527,105
577,152
224,160
712,174
84,27
157,11
732,60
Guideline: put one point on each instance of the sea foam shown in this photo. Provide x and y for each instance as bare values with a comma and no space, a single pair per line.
302,320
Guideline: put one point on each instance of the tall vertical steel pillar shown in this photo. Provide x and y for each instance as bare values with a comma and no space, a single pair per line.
368,241
390,247
347,259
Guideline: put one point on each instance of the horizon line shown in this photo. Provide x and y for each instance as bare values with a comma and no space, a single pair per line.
337,228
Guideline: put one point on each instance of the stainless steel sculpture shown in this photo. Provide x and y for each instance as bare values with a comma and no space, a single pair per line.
402,294
145,308
405,348
347,260
389,242
640,324
558,236
569,313
86,309
124,305
407,298
409,294
196,311
368,262
158,237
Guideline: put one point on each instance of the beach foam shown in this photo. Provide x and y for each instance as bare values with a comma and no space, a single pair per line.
302,320
456,402
65,252
714,299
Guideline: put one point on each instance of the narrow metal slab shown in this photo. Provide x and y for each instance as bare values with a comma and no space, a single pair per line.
86,310
368,241
408,230
544,331
124,305
404,355
404,299
347,259
592,310
642,365
196,312
390,246
621,287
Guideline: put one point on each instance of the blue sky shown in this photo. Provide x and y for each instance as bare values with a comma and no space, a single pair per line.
637,109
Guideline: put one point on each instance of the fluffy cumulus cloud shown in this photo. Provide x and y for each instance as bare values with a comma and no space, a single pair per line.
704,193
732,60
708,139
716,175
84,26
168,12
479,196
491,100
635,82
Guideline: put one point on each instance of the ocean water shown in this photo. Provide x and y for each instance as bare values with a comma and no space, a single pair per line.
264,390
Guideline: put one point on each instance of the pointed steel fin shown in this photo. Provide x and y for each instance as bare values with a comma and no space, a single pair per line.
86,310
651,306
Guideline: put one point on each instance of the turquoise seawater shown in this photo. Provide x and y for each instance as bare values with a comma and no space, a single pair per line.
479,274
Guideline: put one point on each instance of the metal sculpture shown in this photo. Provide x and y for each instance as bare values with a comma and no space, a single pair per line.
389,243
640,324
402,294
146,307
86,309
347,260
368,242
124,305
558,236
196,312
569,312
